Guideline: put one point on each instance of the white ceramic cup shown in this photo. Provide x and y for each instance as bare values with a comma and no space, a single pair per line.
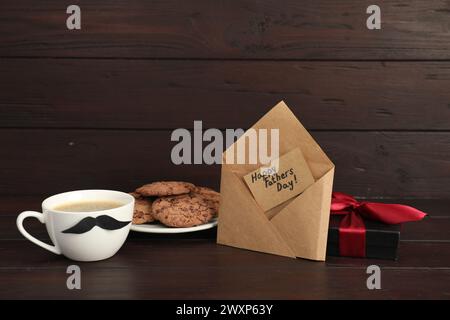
102,241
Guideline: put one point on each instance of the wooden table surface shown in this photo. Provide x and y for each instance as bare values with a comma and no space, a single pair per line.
193,266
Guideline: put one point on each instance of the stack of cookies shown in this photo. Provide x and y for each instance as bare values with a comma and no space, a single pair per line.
175,204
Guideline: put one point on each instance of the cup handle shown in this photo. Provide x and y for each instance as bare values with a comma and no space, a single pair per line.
41,218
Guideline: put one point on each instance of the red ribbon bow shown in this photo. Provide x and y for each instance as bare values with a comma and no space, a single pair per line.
352,231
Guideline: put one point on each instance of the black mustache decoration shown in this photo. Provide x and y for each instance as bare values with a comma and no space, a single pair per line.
104,222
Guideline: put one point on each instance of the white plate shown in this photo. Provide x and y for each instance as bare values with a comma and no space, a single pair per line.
159,228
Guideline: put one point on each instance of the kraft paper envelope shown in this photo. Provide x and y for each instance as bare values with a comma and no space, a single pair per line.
295,228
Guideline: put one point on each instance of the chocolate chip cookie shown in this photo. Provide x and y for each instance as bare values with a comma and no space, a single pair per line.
142,209
136,195
165,188
182,211
212,197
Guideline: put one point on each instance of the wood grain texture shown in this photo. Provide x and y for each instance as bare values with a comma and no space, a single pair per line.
287,29
199,282
368,164
148,267
152,270
232,94
136,254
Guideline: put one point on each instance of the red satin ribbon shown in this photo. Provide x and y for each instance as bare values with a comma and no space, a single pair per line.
352,231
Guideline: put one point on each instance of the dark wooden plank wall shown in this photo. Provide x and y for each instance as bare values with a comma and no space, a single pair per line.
95,107
261,29
141,94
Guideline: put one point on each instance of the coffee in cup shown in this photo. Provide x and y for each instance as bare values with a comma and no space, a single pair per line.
84,225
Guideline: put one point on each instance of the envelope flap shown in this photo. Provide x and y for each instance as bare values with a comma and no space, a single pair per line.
304,222
292,135
245,225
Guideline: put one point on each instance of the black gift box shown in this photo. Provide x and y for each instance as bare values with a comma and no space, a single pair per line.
381,239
